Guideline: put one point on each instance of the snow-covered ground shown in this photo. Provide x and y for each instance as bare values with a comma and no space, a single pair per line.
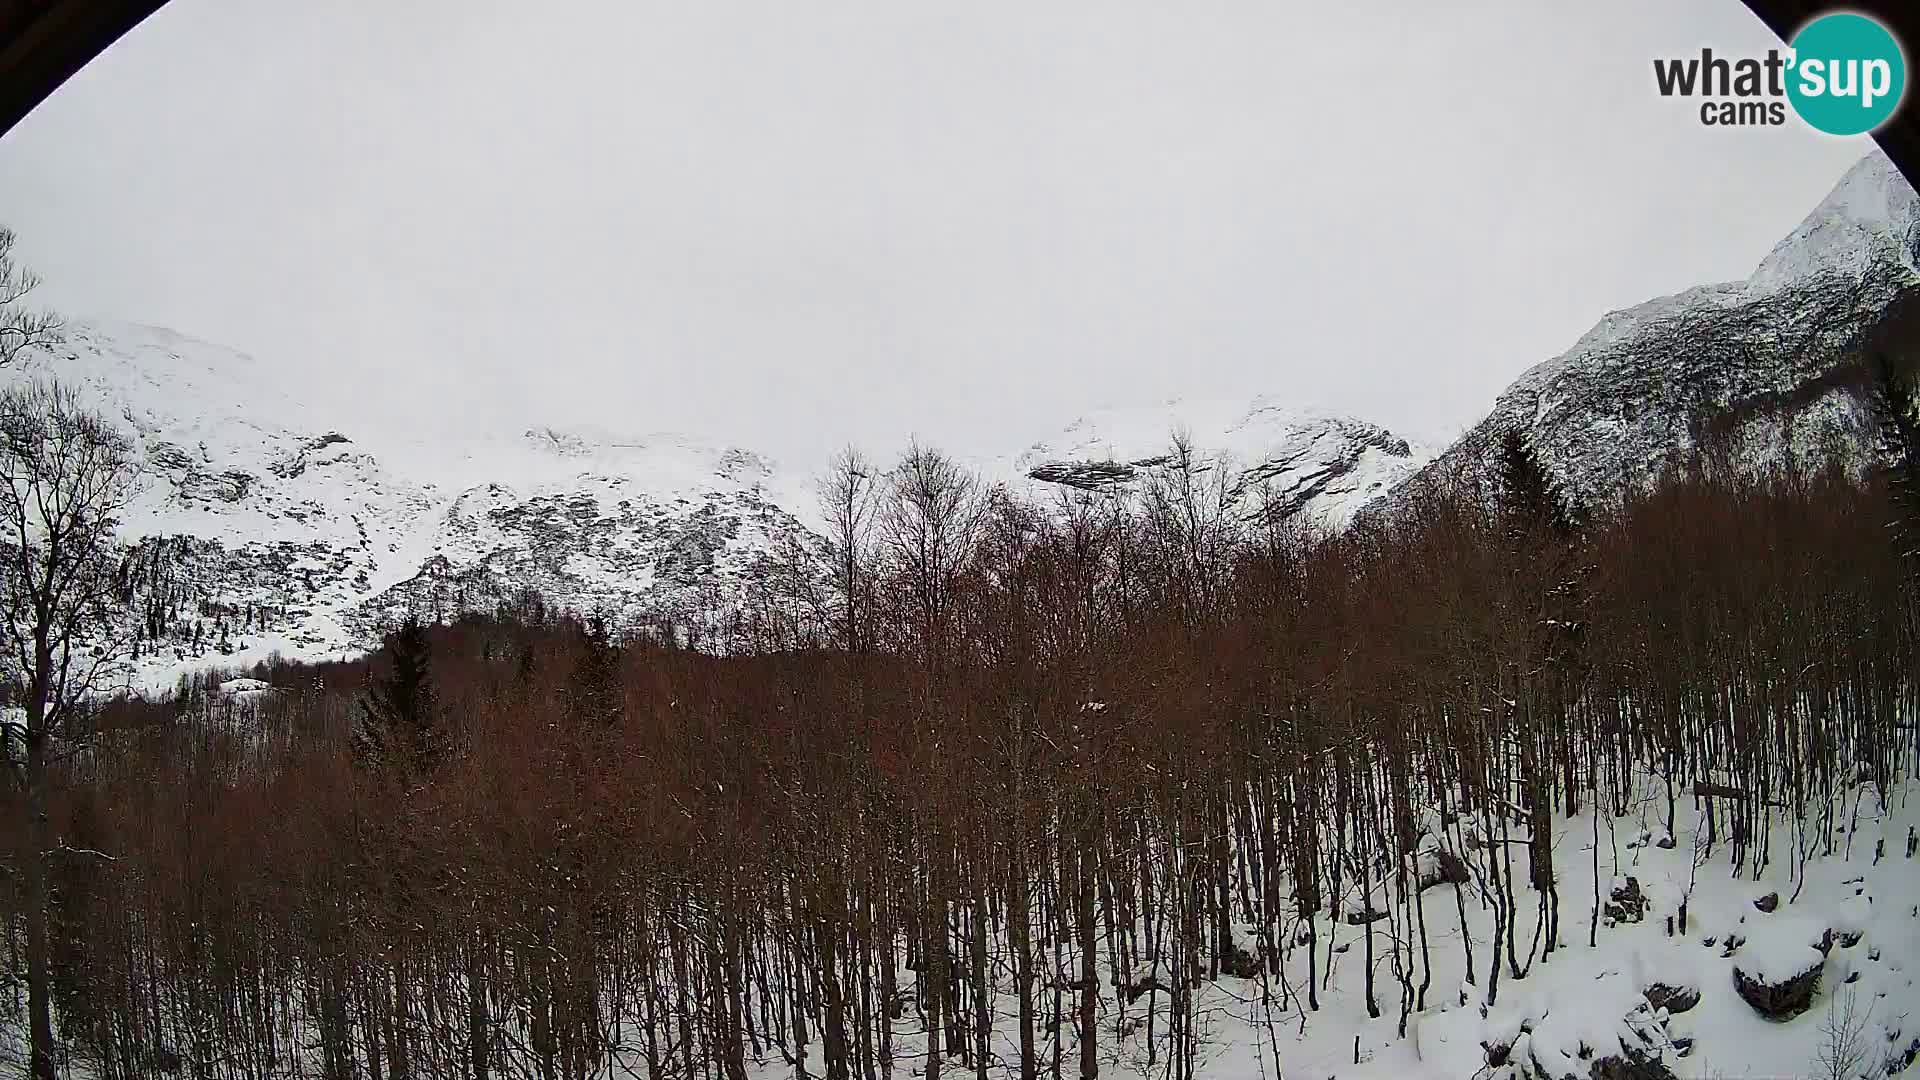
1583,1003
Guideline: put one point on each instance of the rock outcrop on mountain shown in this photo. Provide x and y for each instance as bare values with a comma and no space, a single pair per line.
1318,467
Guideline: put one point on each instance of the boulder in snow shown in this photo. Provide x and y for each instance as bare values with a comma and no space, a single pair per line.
1630,1065
1674,999
244,689
1438,866
1239,963
1604,1030
1779,976
1626,903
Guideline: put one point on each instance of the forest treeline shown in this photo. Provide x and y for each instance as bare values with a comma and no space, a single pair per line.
1069,760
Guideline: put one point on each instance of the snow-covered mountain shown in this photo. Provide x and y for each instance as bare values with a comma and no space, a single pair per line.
271,528
1767,367
1317,466
264,526
261,526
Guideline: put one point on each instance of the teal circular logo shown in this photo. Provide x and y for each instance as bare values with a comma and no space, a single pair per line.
1848,74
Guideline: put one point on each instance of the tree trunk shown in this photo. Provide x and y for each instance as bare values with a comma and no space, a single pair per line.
1021,938
39,842
1089,969
477,1005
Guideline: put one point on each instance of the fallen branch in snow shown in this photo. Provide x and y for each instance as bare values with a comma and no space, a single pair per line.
63,849
1706,789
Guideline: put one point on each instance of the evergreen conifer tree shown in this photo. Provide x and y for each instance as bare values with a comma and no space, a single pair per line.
1895,410
399,726
594,693
1529,496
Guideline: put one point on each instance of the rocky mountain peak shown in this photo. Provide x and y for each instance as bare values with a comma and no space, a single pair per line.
1766,368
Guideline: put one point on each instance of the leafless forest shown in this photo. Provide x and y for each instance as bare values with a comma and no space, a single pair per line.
1071,760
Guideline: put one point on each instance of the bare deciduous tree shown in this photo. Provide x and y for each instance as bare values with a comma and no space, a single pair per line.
1842,1050
849,500
67,475
1088,758
928,528
20,326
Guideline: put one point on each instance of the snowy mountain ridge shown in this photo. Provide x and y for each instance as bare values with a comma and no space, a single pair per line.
1769,367
274,530
263,527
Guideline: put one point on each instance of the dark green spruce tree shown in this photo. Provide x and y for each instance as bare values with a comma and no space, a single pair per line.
1544,528
399,730
1899,423
1530,499
594,696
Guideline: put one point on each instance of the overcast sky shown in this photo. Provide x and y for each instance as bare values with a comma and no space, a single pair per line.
790,225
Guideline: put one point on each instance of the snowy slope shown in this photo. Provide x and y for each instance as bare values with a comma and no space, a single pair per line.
663,526
1769,364
1319,466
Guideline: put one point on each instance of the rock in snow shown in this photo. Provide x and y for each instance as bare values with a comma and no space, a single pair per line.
1777,970
1605,1030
